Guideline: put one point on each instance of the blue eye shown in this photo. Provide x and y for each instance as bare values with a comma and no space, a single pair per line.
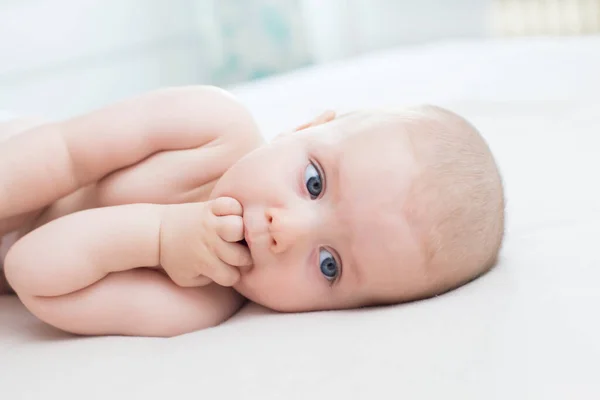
328,265
313,181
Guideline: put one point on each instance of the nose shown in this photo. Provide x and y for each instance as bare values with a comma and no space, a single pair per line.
288,227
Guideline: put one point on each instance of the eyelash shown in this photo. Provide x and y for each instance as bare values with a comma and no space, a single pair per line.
319,169
337,259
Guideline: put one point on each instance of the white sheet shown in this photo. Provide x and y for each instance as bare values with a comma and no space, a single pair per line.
529,329
6,115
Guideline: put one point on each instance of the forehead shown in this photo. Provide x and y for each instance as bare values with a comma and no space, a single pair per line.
371,162
373,169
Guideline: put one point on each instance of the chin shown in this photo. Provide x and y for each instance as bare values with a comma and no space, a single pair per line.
271,301
282,304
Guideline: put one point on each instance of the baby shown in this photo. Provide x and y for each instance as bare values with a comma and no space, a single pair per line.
160,215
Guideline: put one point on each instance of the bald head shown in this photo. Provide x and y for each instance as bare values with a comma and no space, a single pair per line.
456,203
408,204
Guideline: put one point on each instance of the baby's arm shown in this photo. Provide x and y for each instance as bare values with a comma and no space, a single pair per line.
158,133
81,274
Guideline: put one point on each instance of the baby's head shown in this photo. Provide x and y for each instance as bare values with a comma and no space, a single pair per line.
373,207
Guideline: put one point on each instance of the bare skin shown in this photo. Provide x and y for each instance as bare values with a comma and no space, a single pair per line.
319,225
98,259
130,216
163,149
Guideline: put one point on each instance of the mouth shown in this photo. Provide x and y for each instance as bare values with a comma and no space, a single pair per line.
246,241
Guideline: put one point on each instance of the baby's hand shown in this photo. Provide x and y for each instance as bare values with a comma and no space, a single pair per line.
199,243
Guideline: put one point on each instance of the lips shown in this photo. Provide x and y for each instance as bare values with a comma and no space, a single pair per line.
246,240
254,231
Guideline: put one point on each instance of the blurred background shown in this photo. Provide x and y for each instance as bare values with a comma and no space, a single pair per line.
61,57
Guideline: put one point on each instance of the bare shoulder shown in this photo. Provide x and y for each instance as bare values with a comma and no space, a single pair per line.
166,120
195,135
212,112
170,118
166,146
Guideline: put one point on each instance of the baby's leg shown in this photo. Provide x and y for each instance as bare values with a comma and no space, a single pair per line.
8,129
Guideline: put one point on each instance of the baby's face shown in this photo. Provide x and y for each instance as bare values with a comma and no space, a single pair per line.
324,219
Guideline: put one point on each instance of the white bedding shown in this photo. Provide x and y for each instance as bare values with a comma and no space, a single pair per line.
528,329
5,115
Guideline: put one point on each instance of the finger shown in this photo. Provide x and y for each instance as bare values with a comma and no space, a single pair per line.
235,254
226,206
230,228
222,273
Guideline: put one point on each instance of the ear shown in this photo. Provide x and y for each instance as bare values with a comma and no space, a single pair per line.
325,117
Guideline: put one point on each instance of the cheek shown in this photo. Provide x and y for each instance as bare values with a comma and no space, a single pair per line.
234,181
290,288
263,172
